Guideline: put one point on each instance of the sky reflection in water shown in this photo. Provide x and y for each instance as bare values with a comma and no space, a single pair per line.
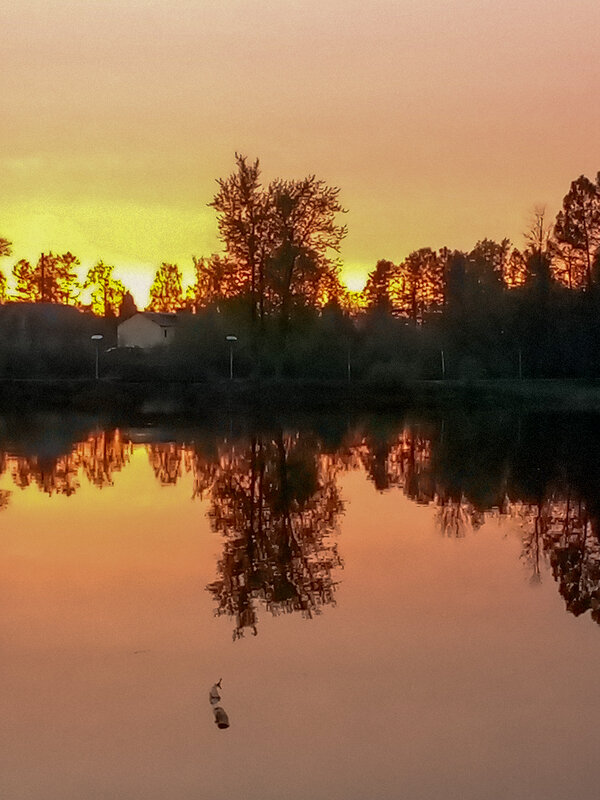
435,558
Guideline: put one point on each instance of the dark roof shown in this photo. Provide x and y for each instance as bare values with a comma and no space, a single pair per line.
163,318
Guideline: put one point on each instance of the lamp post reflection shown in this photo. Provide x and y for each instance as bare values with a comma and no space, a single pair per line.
231,340
97,338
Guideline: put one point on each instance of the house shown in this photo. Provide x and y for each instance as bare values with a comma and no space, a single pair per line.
147,329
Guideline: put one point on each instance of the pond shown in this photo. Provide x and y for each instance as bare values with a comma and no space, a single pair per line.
394,607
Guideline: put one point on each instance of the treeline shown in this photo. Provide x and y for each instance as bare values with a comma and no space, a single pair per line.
495,311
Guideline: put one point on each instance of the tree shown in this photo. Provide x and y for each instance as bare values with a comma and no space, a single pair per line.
128,307
539,233
378,285
51,280
281,238
456,281
421,284
5,247
166,292
243,220
331,290
566,264
487,262
537,258
305,233
516,269
107,293
538,269
5,250
577,230
216,279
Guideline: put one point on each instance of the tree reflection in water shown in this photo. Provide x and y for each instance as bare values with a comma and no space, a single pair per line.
276,502
166,462
274,496
562,532
98,456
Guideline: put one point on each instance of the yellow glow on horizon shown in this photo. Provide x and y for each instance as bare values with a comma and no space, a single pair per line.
111,146
135,239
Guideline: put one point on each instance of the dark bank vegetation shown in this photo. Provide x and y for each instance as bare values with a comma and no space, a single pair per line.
495,312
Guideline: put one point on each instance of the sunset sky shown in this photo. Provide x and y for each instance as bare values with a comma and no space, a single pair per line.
443,121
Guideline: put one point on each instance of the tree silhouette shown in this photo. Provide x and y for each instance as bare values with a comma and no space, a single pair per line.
305,233
378,286
107,292
577,230
421,284
128,307
539,233
5,247
516,268
215,278
280,239
5,250
51,280
487,263
244,222
166,292
3,288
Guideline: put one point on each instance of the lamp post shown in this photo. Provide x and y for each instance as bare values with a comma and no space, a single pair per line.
97,338
231,340
348,363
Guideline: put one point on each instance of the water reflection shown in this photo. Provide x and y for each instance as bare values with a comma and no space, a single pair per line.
273,493
276,502
97,457
214,697
274,499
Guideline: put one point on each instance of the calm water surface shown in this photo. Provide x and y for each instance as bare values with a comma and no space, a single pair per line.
397,607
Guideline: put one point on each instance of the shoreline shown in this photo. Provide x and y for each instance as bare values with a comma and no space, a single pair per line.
163,398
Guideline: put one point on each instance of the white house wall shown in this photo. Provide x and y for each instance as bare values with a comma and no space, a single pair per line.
140,331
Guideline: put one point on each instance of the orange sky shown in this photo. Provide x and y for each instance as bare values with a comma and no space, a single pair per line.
443,121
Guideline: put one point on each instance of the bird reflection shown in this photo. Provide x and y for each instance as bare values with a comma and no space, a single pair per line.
221,718
214,697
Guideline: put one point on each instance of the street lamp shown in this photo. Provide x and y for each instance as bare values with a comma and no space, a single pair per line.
231,340
348,362
97,338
